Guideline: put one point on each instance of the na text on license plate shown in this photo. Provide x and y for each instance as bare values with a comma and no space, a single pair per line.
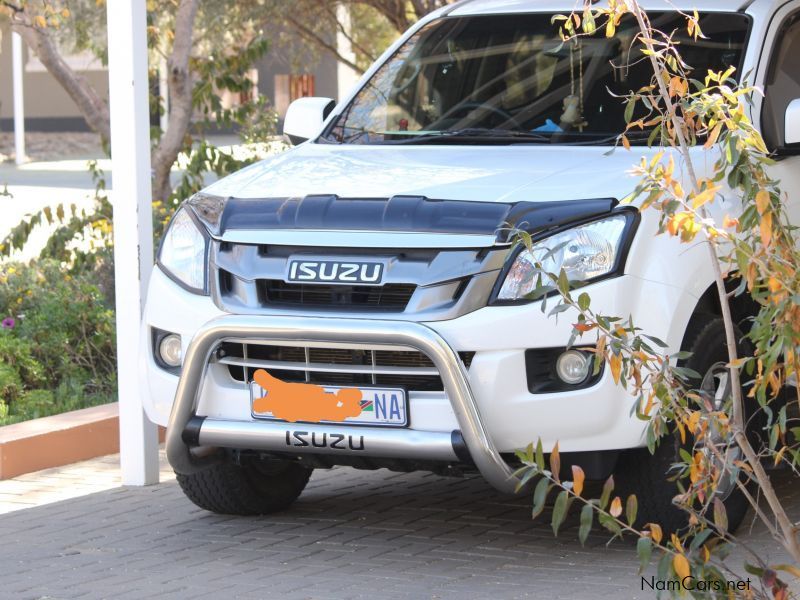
379,406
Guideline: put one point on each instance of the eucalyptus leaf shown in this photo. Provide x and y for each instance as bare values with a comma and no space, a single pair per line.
540,497
559,511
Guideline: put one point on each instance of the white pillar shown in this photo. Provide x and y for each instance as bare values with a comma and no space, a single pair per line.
19,98
133,228
346,77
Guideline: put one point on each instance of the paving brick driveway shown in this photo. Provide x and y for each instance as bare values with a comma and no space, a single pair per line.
351,535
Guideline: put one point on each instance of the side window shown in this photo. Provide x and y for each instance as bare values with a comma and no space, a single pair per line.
782,84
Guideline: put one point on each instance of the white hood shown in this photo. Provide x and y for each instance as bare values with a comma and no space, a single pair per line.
453,172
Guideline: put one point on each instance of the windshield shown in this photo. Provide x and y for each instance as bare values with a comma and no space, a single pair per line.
510,79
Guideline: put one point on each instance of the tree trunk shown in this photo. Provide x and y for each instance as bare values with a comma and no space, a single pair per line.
180,95
93,108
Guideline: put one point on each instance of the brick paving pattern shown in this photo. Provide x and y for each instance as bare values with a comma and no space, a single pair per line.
62,483
352,534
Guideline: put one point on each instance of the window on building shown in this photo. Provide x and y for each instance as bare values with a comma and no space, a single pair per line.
289,88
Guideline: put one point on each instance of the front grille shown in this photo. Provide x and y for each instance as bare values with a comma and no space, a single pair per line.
408,369
392,296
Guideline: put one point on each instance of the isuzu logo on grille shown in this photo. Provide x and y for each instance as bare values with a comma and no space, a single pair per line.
334,271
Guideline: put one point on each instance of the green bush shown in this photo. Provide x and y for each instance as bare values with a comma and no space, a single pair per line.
57,343
10,384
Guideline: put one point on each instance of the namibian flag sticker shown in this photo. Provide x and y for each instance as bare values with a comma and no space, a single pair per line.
367,406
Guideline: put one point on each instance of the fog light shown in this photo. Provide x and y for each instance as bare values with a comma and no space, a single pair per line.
169,349
573,366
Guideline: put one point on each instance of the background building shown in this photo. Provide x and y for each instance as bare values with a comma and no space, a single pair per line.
289,71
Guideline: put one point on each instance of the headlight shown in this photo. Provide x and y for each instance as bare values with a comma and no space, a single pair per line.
584,252
183,252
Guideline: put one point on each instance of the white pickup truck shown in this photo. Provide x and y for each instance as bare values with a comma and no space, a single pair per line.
359,299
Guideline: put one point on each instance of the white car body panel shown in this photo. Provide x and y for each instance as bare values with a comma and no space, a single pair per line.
506,174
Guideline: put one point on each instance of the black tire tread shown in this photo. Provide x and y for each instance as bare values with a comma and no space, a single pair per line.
233,489
645,474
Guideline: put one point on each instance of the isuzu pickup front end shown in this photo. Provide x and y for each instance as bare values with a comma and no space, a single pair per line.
363,299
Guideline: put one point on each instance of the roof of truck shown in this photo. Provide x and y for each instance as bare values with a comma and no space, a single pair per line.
483,7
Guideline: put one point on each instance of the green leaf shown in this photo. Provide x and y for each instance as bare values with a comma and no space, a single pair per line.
753,570
529,474
629,106
539,455
609,523
520,471
700,539
631,508
644,550
540,496
588,24
559,308
584,301
655,340
664,567
529,453
563,282
653,135
587,516
559,511
608,487
720,515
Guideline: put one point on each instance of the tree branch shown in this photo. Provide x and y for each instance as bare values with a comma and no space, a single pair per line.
180,93
352,41
790,540
312,36
91,105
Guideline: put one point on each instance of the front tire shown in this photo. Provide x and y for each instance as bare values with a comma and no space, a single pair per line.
250,488
647,475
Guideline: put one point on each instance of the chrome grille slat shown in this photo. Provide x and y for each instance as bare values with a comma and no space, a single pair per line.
355,364
254,363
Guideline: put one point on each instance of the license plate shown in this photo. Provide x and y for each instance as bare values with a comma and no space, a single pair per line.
379,406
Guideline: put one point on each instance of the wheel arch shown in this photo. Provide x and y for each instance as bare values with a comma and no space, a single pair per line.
743,309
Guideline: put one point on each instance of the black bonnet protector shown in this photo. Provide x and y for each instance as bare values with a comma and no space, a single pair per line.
397,214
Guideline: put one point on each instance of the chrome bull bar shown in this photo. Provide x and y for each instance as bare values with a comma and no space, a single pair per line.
185,430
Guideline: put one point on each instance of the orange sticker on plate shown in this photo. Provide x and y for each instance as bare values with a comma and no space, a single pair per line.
304,401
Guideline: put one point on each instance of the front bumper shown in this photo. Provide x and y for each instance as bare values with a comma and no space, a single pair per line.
509,416
183,428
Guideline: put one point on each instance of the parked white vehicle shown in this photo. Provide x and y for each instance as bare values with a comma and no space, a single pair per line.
376,255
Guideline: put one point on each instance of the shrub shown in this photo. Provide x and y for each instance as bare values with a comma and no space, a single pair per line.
57,343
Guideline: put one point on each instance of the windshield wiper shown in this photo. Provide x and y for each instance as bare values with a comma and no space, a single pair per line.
473,133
